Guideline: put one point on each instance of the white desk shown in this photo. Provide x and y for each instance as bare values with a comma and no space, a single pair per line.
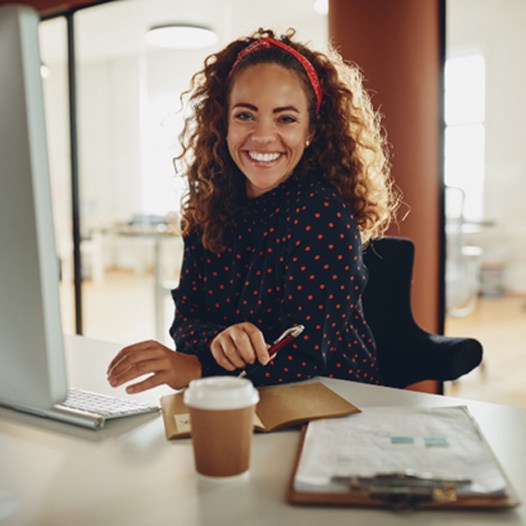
129,474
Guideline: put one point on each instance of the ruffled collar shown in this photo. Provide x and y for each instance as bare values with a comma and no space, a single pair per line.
266,203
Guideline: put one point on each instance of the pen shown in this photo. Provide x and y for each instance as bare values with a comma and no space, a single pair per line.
285,338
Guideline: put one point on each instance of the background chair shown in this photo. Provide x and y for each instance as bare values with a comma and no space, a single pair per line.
406,353
463,261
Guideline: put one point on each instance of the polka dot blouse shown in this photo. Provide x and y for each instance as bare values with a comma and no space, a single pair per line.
295,258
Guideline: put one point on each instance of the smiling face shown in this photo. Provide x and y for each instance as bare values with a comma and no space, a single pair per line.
268,125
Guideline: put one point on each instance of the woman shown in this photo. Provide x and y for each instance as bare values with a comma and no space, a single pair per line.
288,178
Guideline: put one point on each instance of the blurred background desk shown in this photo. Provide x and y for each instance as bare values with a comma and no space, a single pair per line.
129,474
157,233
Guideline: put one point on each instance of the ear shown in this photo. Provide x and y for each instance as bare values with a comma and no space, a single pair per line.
309,139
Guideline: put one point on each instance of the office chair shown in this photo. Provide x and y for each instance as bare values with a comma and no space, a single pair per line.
406,353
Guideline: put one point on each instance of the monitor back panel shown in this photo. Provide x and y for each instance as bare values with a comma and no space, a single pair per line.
32,369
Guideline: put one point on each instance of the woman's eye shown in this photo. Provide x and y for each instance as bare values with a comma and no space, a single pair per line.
286,119
242,116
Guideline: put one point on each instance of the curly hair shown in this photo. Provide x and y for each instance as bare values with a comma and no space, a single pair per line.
349,149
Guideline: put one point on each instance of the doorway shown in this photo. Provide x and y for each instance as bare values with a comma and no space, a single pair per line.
485,177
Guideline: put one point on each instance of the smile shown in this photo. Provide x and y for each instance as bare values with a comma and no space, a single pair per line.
263,157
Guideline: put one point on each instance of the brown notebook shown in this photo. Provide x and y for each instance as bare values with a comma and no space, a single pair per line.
279,407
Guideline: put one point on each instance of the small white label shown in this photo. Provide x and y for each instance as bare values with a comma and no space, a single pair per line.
182,423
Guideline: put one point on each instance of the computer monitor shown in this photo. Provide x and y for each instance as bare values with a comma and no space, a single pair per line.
32,366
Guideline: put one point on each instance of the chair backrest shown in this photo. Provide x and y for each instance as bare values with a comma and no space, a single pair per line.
387,297
407,353
387,302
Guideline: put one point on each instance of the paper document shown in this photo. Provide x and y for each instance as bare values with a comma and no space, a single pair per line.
442,442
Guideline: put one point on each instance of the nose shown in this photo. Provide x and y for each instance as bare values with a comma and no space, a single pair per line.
263,132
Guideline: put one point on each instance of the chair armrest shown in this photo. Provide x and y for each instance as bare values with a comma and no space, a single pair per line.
424,356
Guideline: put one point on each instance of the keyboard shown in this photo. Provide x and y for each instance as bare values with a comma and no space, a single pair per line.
102,407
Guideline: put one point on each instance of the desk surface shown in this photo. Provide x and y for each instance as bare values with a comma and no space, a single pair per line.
129,474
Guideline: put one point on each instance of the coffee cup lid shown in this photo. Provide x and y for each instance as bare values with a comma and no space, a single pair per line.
221,392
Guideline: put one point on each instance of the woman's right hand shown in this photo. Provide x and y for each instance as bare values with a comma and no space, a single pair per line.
161,364
239,345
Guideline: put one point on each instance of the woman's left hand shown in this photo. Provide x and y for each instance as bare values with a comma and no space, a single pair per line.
162,364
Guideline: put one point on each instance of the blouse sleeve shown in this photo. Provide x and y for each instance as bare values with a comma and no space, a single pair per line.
190,330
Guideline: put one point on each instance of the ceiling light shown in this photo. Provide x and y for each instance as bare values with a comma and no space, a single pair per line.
184,36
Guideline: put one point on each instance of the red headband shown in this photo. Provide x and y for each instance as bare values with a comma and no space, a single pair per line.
266,43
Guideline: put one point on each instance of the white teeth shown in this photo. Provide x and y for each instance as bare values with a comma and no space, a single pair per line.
263,157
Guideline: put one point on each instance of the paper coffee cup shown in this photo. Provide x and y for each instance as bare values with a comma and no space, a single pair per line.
222,417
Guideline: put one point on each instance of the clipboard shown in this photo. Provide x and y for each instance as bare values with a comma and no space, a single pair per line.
398,490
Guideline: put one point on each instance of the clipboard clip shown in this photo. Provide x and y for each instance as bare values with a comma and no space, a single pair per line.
404,489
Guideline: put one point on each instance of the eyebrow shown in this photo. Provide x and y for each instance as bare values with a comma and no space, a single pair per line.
275,110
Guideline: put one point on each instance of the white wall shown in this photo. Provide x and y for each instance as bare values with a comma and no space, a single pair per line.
495,28
109,139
